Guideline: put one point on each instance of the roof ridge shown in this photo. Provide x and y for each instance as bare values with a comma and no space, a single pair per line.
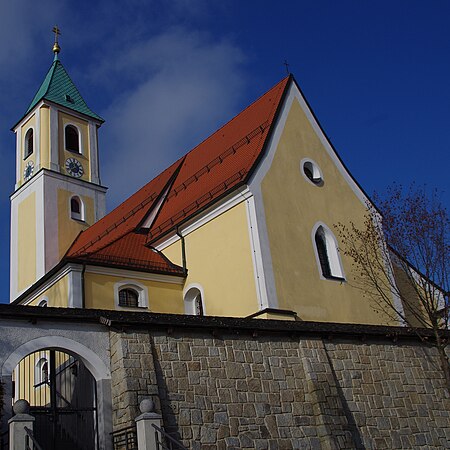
56,83
140,262
218,159
238,176
238,114
163,195
114,225
274,113
49,76
107,244
52,70
149,199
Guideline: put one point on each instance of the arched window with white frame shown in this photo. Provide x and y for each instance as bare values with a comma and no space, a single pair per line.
194,301
130,294
327,253
41,372
76,208
72,139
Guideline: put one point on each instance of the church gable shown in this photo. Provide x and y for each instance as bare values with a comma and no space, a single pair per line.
214,168
301,191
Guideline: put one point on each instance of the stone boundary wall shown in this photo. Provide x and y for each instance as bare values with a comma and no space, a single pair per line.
279,392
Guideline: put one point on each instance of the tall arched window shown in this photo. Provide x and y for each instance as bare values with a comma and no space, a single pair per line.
72,139
76,208
29,143
128,297
328,254
193,302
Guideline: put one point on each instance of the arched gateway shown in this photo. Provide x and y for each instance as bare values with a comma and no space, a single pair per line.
64,374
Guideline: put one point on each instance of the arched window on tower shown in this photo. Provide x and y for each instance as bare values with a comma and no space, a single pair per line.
328,254
128,297
29,143
72,139
76,208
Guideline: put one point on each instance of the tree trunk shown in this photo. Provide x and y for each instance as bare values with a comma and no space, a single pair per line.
444,363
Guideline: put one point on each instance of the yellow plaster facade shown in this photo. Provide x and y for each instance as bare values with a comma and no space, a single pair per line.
83,157
45,136
68,229
218,256
26,272
57,294
162,297
30,123
293,206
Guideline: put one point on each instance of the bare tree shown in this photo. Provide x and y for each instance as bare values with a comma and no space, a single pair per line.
401,261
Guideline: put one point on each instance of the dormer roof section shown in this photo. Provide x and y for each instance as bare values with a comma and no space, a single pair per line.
58,88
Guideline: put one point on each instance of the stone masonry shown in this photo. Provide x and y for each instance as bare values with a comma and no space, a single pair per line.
237,391
221,382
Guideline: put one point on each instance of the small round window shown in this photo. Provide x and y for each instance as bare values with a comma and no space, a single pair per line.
312,172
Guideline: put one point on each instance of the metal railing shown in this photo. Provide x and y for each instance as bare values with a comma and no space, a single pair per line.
167,442
125,439
29,436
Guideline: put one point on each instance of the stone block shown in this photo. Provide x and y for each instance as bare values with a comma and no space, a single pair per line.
221,417
234,370
184,351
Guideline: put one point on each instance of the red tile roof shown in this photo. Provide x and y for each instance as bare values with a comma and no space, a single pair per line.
220,163
130,252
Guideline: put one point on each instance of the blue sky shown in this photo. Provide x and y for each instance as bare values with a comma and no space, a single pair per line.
165,74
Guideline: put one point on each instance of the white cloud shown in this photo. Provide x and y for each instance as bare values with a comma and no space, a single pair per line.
181,86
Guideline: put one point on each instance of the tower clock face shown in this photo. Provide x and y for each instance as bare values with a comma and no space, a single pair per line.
74,167
28,172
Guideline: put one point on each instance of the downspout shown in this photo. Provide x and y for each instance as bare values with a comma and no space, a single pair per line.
83,297
183,250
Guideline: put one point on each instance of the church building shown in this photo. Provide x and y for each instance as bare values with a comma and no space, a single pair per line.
243,225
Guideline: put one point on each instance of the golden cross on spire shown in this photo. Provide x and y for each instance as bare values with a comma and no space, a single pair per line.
56,47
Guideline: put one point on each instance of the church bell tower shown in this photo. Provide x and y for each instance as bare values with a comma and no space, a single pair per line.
58,192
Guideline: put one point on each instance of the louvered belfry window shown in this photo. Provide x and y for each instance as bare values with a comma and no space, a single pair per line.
128,297
321,245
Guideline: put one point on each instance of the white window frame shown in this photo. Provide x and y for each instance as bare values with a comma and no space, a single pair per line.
80,140
333,255
38,373
190,293
140,288
316,172
43,302
76,216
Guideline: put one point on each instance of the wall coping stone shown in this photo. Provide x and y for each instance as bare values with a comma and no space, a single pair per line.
125,320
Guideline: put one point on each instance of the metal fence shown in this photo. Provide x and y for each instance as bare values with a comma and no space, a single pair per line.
125,439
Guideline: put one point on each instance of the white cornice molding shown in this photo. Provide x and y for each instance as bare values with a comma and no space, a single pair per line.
215,210
59,177
126,274
71,112
27,117
53,280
